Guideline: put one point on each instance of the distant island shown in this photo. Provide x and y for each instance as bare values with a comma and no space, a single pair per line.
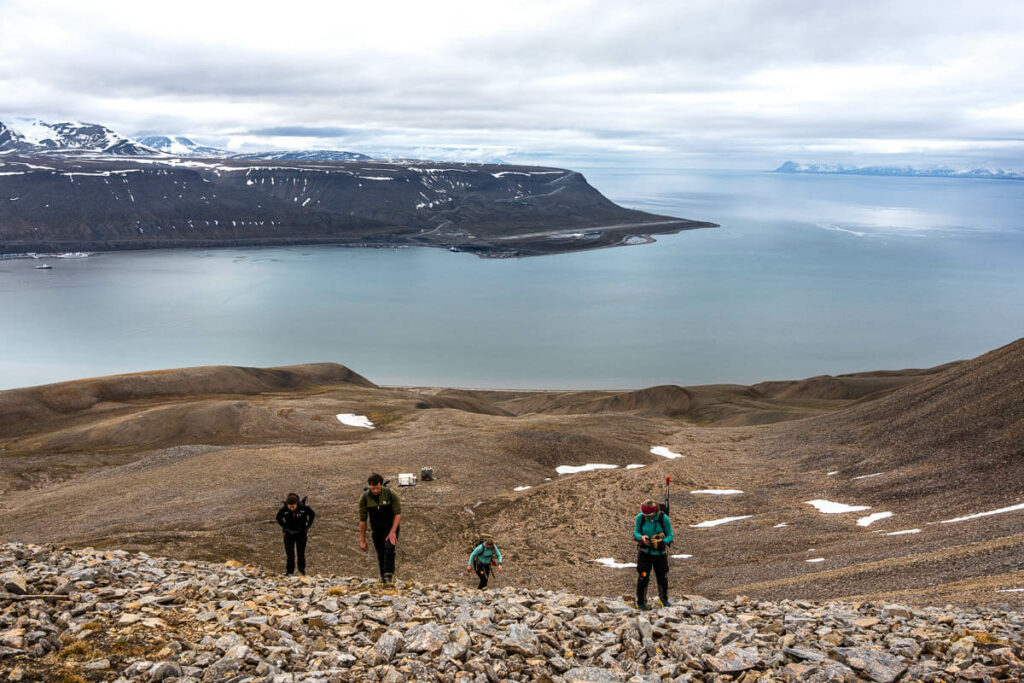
910,171
70,187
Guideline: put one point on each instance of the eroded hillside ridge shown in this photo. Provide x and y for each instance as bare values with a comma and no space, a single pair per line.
106,615
93,203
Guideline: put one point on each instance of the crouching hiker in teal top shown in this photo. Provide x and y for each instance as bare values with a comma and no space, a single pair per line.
484,555
653,533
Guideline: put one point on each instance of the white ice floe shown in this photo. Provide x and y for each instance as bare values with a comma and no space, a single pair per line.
717,492
681,556
610,562
573,469
904,532
634,466
716,522
665,452
873,517
522,488
984,514
867,476
779,526
830,508
353,420
816,559
833,473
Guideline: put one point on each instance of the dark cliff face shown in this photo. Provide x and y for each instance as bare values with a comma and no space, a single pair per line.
93,203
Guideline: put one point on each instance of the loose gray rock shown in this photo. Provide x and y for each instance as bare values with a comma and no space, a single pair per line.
590,674
212,622
880,666
389,644
521,639
731,659
165,670
15,584
428,637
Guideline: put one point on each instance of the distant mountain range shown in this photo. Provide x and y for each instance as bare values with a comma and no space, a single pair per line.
75,138
927,172
181,146
306,155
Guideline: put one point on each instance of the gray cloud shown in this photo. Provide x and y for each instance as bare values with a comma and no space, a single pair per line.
744,82
303,131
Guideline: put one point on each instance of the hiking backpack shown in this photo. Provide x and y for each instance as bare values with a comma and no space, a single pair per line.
660,518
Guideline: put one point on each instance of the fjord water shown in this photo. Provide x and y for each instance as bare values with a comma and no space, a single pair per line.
807,275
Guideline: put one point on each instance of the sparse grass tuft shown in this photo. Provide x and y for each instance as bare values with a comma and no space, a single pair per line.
78,650
65,676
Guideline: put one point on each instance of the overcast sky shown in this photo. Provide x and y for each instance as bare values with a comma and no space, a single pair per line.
695,83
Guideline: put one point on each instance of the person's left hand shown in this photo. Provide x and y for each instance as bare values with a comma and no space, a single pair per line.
393,538
498,567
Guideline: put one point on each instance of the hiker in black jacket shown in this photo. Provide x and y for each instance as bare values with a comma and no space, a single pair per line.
295,518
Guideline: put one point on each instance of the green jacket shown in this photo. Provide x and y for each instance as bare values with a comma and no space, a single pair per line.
484,555
658,524
383,507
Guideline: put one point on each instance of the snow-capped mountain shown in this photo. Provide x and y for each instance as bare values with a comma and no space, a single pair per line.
39,137
927,172
307,155
35,136
181,146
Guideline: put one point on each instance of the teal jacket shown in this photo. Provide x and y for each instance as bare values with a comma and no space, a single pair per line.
650,527
484,555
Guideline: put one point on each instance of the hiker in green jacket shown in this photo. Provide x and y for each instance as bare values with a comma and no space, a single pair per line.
484,556
381,507
653,532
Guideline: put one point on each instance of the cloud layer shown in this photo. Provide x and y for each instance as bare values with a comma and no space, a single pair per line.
700,83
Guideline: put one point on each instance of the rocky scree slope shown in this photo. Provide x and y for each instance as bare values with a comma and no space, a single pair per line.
960,429
111,615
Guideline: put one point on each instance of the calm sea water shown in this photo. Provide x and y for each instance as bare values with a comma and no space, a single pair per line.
807,275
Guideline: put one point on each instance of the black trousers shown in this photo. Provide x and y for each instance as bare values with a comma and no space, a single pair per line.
483,571
295,548
385,550
645,562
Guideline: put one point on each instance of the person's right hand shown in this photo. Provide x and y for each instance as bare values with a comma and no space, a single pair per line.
362,544
469,570
646,540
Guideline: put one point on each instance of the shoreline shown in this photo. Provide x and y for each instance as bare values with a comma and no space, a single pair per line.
546,243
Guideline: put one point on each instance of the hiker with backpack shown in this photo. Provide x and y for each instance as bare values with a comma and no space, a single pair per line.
485,555
381,507
652,531
295,518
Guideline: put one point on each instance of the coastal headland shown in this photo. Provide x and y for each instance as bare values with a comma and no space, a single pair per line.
95,203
